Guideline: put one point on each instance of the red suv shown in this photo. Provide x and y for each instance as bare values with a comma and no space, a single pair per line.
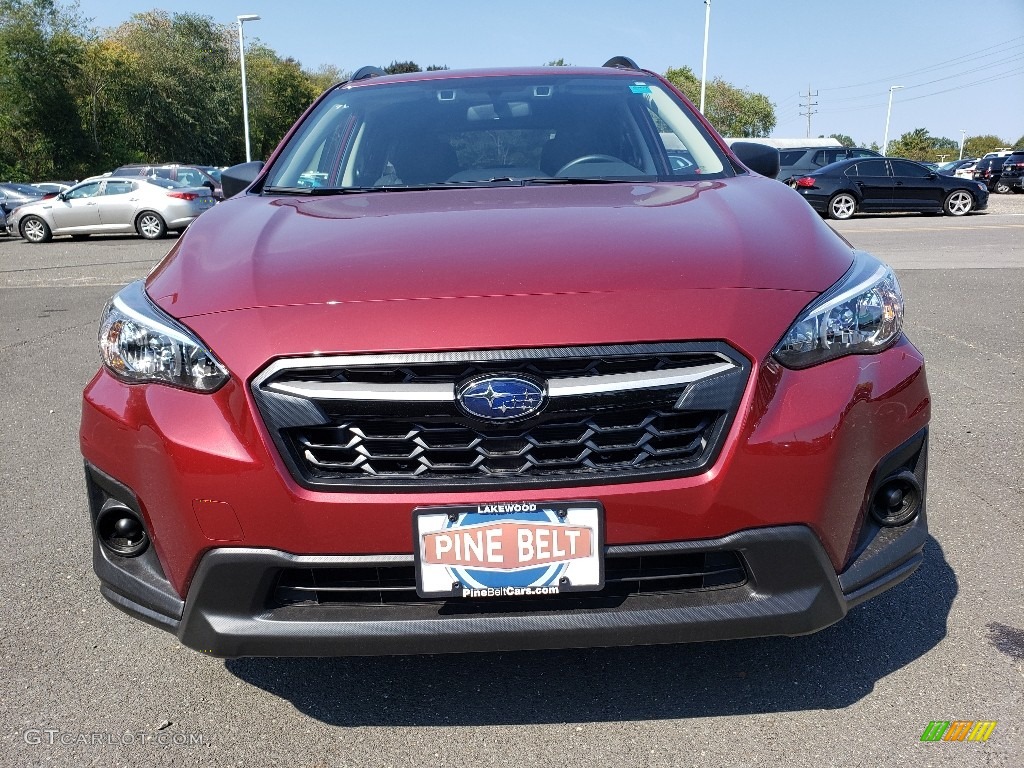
470,363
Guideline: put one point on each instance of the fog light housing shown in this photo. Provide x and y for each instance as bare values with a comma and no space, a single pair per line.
121,530
897,500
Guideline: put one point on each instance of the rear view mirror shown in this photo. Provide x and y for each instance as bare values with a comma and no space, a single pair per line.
760,158
238,177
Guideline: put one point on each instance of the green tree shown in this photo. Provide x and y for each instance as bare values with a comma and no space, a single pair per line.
913,145
401,67
1019,143
559,62
183,85
979,146
325,76
41,51
733,111
279,91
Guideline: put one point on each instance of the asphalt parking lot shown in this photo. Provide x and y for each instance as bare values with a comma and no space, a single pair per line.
83,684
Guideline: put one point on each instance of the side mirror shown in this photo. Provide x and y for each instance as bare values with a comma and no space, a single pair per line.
209,185
236,178
760,158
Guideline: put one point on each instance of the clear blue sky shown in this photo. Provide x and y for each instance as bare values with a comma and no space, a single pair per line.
961,63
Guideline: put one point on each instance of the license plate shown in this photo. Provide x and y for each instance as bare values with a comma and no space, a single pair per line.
522,549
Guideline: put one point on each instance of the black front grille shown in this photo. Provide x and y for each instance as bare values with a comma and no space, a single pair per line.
625,575
334,441
579,445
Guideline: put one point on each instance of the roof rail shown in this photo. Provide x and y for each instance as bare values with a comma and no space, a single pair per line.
621,62
368,71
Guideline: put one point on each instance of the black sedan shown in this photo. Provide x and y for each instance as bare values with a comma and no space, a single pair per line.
882,185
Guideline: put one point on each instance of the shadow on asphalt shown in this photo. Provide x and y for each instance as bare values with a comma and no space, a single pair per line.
831,669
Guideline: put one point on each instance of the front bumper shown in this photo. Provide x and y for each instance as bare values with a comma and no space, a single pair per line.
791,589
788,495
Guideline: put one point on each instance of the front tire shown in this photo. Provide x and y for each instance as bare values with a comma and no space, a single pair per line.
958,203
842,206
35,230
150,226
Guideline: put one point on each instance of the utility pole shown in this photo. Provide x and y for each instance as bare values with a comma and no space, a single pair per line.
810,108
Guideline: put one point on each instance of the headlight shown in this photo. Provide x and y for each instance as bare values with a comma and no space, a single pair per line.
859,315
139,343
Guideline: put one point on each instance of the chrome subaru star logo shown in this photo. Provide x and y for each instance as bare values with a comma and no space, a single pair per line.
501,398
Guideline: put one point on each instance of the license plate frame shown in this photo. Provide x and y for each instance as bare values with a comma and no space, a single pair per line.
530,549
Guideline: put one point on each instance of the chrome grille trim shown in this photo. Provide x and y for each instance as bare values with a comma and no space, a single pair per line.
441,393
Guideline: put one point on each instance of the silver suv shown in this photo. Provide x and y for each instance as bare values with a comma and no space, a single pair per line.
799,161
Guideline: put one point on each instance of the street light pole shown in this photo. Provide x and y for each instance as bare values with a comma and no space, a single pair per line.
704,68
245,96
963,138
888,112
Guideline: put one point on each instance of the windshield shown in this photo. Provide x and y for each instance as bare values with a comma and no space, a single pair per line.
483,130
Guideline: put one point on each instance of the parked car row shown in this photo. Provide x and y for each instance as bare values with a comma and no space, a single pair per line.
148,199
147,206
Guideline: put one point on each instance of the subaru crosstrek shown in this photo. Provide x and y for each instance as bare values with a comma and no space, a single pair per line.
470,363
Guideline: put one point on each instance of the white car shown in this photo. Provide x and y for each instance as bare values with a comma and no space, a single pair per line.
149,207
965,171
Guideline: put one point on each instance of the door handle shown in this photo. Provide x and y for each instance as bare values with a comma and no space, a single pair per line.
90,203
899,183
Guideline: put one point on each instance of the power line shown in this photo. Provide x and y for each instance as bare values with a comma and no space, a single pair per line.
983,81
964,73
992,50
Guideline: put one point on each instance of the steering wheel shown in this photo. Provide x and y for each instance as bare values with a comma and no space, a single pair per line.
587,159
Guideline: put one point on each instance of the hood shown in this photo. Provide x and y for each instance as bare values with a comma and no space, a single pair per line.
253,251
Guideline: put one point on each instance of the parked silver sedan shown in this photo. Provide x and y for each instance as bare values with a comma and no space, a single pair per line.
149,207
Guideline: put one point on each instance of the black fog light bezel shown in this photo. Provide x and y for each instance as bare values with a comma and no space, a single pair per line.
111,516
897,500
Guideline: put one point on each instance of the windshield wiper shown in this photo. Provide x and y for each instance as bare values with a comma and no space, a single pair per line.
496,181
577,180
325,191
314,191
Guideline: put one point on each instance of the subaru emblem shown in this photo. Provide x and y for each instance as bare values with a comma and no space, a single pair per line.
501,398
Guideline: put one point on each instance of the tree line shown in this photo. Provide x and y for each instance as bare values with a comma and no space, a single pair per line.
920,145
